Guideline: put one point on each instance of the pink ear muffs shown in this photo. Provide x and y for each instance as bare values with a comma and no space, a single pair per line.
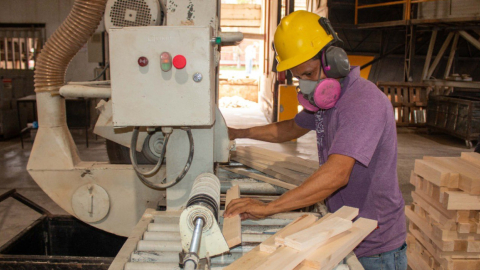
327,93
306,104
322,61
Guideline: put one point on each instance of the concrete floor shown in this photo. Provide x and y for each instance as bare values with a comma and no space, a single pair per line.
14,217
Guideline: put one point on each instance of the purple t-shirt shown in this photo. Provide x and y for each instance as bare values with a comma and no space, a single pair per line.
362,126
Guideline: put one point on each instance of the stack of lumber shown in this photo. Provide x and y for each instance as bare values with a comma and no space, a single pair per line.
308,243
287,171
444,230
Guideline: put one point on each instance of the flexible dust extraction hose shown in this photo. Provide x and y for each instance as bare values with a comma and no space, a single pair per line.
65,42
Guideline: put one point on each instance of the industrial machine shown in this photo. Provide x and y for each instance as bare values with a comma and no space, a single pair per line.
162,103
162,99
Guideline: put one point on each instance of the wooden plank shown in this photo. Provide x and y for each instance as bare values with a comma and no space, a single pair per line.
346,212
437,174
316,234
271,165
458,216
265,169
253,258
240,152
415,246
249,260
457,200
429,189
299,224
469,180
232,230
437,215
281,156
330,254
439,255
416,263
260,177
426,229
289,258
472,157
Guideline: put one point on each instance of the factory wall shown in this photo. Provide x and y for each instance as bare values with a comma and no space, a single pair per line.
51,13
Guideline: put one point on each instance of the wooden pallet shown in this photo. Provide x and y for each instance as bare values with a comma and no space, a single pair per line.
407,100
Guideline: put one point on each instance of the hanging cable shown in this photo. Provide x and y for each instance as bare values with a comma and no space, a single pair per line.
143,175
101,73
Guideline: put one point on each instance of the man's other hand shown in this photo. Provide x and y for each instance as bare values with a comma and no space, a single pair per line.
234,133
247,208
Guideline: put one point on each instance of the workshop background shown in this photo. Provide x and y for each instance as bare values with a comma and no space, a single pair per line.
423,55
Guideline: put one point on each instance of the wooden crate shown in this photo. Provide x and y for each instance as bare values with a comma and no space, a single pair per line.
409,101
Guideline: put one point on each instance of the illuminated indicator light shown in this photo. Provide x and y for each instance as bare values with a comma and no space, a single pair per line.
179,61
142,61
165,61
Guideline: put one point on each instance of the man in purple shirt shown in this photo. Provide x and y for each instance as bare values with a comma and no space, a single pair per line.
356,140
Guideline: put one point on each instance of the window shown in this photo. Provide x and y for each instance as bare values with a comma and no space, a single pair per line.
19,45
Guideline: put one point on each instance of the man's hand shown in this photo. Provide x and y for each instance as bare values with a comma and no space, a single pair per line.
247,208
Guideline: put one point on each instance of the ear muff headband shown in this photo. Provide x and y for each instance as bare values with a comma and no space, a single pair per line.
334,59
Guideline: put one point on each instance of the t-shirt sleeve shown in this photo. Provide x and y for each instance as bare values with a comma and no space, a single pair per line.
305,119
360,128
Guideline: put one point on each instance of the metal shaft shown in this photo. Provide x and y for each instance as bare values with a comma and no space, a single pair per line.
197,236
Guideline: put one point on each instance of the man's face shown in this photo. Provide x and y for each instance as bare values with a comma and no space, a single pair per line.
309,70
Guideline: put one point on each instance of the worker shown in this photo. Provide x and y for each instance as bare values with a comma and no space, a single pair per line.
356,140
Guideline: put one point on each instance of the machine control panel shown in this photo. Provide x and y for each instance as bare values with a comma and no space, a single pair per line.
162,76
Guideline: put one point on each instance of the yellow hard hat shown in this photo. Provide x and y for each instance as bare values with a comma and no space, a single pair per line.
298,38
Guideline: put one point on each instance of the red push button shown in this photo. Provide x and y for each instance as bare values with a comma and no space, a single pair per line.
142,61
179,61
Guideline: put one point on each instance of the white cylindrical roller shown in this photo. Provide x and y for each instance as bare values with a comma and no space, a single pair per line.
231,37
143,245
158,256
151,266
158,227
162,236
85,91
206,184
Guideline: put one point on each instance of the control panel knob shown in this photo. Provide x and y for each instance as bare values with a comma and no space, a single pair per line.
179,61
142,61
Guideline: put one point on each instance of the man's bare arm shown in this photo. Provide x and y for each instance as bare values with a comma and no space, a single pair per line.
276,132
333,175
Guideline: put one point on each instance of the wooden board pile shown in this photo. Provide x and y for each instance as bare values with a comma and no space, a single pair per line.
444,230
288,171
308,243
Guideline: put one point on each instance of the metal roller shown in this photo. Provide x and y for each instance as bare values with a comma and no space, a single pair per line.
161,236
159,227
159,246
200,220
